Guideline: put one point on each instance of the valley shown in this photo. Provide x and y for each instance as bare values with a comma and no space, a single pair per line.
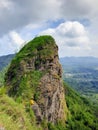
81,73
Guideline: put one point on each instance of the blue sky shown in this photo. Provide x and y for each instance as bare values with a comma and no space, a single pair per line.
73,24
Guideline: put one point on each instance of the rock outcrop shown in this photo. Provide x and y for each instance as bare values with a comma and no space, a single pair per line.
36,72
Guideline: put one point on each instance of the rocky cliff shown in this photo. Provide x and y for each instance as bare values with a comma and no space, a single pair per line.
36,73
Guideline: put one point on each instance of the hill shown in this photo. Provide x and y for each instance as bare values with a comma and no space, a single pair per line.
35,73
5,60
36,94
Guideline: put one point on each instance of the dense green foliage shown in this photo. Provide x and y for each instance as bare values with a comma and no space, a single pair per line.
15,116
20,76
29,86
36,46
82,114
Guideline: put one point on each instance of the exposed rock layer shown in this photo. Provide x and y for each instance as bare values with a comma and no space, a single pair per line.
50,104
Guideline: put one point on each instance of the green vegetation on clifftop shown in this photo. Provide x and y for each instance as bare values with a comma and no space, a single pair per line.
35,47
23,75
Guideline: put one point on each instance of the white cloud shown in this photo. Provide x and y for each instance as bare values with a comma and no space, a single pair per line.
6,46
70,36
16,38
10,43
71,29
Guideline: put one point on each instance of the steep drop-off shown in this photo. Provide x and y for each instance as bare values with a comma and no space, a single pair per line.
36,73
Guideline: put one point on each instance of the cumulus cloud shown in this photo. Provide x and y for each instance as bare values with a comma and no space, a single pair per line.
16,38
17,14
11,43
71,35
71,29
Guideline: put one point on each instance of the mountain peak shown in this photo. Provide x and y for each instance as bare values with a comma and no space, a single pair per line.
36,73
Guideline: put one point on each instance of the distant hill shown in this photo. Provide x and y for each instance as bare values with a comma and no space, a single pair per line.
77,62
5,60
82,74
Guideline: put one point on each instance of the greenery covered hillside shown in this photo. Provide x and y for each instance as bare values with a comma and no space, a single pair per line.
82,115
39,49
36,73
15,115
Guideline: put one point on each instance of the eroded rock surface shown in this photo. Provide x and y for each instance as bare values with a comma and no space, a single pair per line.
47,90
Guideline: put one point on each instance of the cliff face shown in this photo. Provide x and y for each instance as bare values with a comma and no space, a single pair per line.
36,72
51,103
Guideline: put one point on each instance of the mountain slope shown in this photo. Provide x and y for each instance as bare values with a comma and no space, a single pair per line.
83,115
35,73
14,115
